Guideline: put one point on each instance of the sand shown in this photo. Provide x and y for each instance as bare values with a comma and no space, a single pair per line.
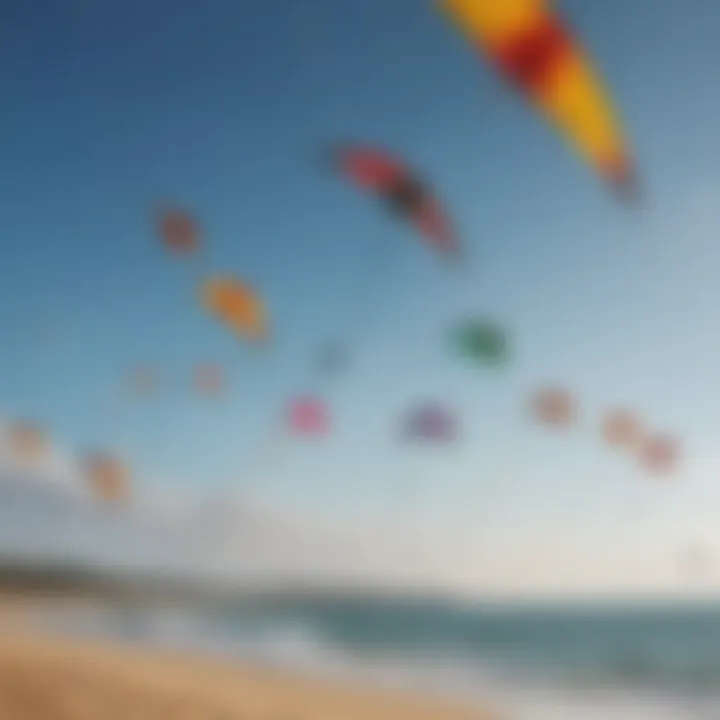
46,677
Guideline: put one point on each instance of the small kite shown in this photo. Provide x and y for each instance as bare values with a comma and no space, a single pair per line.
405,195
144,381
179,231
209,379
27,442
531,46
107,477
331,360
236,304
553,406
660,453
621,428
431,422
482,342
308,416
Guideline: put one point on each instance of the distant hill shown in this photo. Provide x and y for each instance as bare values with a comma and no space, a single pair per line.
38,578
45,578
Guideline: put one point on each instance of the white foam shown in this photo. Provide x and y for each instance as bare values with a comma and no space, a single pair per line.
298,646
553,704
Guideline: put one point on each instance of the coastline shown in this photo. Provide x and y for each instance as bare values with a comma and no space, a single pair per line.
48,676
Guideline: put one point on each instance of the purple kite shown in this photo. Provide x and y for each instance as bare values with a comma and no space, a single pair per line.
431,422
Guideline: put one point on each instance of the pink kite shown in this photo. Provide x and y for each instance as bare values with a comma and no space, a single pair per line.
660,454
621,428
209,380
554,407
308,416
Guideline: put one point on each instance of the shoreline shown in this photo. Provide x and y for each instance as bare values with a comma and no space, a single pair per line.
51,676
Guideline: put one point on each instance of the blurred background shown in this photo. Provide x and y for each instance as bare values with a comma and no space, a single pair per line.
375,339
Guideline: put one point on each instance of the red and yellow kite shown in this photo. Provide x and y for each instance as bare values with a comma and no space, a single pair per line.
528,44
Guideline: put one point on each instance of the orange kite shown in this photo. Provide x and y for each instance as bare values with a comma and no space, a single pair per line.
108,478
237,305
28,442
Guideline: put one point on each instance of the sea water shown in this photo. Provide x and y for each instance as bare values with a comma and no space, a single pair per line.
542,663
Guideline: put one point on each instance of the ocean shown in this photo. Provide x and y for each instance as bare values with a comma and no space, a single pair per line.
535,663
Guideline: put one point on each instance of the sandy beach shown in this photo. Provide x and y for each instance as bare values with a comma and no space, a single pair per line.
46,677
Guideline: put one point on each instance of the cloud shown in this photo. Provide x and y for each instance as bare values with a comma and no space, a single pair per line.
56,466
232,538
46,510
229,538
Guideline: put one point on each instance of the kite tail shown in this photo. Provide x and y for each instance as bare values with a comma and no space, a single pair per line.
625,184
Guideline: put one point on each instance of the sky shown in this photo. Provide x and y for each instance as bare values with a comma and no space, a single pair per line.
225,107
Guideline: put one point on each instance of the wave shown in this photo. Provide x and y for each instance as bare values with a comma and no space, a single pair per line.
524,665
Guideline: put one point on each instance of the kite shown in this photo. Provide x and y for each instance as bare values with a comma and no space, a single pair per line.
235,304
621,428
308,416
144,381
179,232
107,477
331,360
405,195
530,45
553,406
481,341
659,454
431,422
209,380
27,441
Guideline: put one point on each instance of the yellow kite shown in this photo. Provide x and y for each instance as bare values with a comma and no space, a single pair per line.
237,305
529,45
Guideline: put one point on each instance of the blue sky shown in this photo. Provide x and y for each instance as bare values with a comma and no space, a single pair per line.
225,106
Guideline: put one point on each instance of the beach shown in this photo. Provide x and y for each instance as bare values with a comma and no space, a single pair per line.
50,677
68,658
